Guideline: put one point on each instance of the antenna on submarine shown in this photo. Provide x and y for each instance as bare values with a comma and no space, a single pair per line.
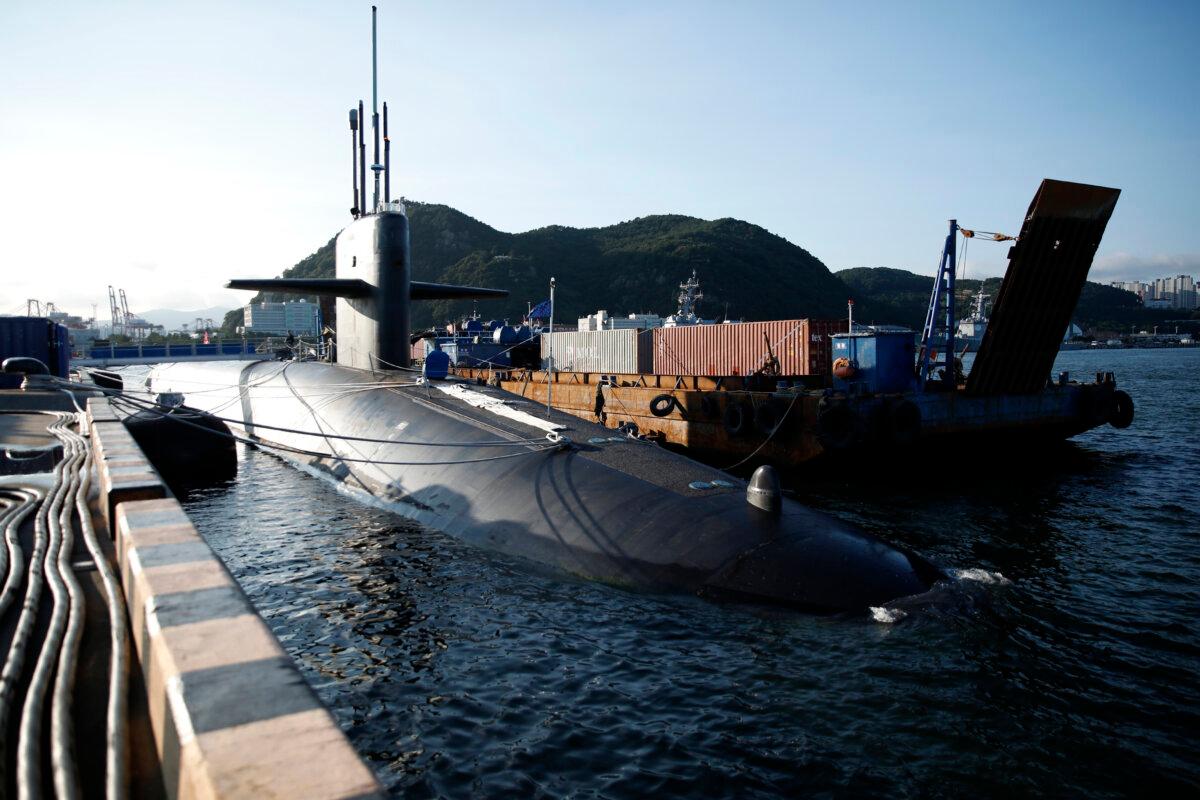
358,126
355,210
387,160
376,167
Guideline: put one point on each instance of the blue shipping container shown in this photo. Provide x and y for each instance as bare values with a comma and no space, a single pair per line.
36,337
883,361
464,352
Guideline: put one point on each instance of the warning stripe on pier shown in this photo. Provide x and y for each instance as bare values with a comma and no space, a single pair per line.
230,713
222,692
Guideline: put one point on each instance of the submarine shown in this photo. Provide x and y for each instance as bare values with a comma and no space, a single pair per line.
500,472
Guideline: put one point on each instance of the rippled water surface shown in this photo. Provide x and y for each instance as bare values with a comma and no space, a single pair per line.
457,672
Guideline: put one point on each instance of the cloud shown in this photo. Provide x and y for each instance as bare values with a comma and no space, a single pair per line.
1131,267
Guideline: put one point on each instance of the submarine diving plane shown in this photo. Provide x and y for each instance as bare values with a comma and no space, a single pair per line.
498,471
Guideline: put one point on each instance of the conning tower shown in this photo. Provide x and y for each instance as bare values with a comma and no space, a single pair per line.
373,282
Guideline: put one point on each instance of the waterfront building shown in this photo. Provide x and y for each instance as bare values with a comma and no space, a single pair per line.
1177,291
299,317
1141,289
601,321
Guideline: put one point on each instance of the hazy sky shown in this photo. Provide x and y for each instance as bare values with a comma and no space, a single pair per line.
164,147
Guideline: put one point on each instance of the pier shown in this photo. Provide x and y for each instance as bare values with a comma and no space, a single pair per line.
120,355
134,665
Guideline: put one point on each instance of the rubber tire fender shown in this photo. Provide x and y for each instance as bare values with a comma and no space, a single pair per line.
837,425
904,422
768,416
736,418
662,405
1120,410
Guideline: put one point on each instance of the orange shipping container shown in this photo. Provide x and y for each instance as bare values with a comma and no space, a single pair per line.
740,348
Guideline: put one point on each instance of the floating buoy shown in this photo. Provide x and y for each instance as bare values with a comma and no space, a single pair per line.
844,368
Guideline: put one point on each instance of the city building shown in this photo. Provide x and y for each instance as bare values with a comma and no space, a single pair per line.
299,317
1178,291
1137,287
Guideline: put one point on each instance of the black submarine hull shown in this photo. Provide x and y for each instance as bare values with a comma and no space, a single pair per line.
606,508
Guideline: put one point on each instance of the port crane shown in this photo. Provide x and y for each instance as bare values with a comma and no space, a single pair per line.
124,322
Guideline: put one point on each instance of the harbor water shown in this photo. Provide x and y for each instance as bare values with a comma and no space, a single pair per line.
1063,661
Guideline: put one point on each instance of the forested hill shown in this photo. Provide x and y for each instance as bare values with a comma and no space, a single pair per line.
897,297
638,265
632,266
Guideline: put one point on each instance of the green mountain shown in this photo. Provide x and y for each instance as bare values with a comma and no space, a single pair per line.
638,265
631,266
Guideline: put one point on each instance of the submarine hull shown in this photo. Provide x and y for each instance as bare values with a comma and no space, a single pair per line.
614,509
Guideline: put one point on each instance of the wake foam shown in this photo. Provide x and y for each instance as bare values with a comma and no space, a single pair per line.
981,576
888,616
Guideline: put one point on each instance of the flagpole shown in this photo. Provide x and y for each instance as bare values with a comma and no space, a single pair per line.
550,356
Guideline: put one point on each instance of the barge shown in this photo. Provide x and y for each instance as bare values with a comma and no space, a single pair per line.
882,390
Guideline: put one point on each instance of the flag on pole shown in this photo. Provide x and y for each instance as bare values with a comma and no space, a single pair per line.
540,311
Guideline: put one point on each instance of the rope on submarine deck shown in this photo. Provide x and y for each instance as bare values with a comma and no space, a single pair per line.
274,446
119,397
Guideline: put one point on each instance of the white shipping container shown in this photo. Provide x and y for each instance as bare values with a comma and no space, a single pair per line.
624,351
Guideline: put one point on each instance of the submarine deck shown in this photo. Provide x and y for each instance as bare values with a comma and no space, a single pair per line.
592,441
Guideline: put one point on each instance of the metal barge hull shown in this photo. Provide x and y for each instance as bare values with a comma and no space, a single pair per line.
788,428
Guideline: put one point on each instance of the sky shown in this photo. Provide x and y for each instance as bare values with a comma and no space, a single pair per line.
164,148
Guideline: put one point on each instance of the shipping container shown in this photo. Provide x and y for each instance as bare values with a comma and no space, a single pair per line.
802,347
880,361
36,337
623,351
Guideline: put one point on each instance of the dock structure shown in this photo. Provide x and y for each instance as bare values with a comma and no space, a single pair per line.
738,420
133,664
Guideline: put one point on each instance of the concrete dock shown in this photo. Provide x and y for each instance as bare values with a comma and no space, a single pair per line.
134,665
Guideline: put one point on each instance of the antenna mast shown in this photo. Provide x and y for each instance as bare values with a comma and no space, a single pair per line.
387,160
358,144
356,209
376,167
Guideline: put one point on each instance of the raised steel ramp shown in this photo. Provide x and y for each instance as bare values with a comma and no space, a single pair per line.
1047,269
